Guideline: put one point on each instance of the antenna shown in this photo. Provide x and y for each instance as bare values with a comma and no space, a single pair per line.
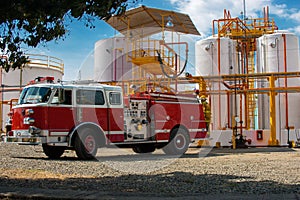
244,3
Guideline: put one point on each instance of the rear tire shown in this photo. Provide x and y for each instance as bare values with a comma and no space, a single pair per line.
86,144
179,142
53,152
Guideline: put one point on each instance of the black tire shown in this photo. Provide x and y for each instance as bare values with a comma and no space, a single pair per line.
86,144
144,148
135,149
179,142
53,152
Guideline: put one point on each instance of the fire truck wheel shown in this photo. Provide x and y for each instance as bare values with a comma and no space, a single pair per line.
86,144
179,143
144,148
53,152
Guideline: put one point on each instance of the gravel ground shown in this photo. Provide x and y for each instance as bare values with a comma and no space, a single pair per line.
205,171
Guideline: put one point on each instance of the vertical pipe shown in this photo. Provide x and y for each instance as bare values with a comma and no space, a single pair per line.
272,141
234,130
279,84
247,125
219,82
246,71
285,82
228,107
241,113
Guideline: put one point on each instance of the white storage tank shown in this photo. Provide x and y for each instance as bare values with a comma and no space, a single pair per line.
110,61
112,57
12,81
272,49
208,56
279,52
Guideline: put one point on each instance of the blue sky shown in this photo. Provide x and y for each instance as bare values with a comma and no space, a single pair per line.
76,50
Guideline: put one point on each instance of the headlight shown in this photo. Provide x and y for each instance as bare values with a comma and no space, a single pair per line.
29,112
34,130
28,120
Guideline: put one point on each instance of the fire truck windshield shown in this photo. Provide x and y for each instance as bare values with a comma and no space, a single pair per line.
32,95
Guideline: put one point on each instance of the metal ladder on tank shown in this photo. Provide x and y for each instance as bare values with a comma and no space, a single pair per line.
251,97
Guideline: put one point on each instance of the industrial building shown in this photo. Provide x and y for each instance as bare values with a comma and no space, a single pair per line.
248,71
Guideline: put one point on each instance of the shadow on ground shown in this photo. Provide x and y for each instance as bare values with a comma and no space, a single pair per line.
177,184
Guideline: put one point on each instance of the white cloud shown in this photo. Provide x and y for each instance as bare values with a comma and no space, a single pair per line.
295,30
203,12
280,10
295,16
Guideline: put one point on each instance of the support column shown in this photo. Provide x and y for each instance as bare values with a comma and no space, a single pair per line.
272,141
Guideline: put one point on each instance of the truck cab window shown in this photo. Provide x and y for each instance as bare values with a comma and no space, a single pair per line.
115,98
67,97
89,97
62,96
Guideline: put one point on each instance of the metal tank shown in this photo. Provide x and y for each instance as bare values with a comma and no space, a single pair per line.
110,62
279,52
113,57
211,52
14,80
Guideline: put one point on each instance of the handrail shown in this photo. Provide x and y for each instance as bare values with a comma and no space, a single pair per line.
51,62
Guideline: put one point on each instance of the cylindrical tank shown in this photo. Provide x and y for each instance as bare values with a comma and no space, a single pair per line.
218,56
113,57
110,62
12,81
207,56
279,52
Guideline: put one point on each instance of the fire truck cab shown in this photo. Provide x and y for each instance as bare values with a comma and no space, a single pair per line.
85,117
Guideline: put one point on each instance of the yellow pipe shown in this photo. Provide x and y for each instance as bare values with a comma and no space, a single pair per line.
272,141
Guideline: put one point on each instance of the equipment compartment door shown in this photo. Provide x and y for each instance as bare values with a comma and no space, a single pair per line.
115,116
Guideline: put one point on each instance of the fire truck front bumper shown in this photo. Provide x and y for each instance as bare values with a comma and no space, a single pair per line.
28,137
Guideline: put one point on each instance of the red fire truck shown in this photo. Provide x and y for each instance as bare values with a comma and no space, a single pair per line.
85,117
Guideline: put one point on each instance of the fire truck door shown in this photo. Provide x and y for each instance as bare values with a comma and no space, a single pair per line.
61,113
91,107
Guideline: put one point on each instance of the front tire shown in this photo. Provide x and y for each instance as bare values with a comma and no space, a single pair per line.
86,144
53,152
179,142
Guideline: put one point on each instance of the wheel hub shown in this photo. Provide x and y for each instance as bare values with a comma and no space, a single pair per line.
180,142
89,143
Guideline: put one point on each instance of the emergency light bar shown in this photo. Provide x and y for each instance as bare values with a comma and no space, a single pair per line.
39,79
